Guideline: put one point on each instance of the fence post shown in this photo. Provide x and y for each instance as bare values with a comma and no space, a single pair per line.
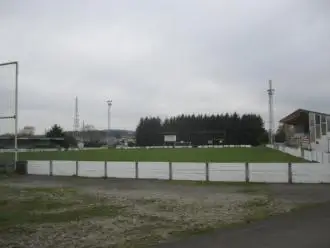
207,172
136,170
247,172
290,172
77,168
51,167
105,169
170,171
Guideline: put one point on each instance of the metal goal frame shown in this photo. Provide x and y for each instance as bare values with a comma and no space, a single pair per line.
15,114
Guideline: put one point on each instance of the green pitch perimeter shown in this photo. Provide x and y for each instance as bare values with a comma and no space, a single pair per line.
259,154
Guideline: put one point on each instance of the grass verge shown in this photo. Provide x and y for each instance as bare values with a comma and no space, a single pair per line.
48,205
221,155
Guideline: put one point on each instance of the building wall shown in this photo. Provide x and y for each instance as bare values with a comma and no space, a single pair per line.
323,143
319,126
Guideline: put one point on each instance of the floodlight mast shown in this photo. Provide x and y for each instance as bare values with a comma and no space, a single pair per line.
109,102
15,116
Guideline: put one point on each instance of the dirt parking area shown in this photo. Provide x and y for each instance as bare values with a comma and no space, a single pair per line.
40,211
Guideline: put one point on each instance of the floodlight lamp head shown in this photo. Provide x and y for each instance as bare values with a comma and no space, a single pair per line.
109,102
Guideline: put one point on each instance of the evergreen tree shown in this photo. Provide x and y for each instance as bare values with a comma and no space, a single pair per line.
55,132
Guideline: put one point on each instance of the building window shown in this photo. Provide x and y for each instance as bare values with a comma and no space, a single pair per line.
324,125
318,119
328,123
324,128
323,119
318,131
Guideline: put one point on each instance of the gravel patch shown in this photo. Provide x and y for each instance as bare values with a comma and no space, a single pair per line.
146,212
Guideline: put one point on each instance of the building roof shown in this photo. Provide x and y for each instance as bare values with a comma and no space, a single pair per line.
297,115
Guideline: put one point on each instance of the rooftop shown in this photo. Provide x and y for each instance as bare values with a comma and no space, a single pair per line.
298,116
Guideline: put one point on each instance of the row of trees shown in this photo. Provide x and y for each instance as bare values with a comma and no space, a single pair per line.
57,132
199,129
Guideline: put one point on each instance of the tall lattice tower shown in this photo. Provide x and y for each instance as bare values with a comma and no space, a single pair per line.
271,93
76,120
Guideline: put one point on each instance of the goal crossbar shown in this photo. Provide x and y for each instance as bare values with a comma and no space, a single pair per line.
7,117
9,63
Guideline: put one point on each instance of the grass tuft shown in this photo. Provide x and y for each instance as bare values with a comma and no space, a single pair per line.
49,205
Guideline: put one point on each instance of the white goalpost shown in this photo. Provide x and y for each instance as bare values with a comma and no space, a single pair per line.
14,114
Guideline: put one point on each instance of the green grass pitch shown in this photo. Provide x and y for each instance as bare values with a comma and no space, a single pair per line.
258,154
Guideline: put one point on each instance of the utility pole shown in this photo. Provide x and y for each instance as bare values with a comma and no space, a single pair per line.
271,93
109,102
83,131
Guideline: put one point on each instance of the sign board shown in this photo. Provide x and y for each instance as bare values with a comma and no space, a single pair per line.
169,138
80,145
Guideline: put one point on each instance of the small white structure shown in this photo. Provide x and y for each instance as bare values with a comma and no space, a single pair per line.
80,145
27,131
169,138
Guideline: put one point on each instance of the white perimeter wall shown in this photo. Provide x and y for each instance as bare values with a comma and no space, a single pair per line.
153,170
227,172
189,171
121,169
220,172
61,168
270,172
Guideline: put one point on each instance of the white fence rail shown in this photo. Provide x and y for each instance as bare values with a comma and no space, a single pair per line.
122,147
315,156
219,172
178,147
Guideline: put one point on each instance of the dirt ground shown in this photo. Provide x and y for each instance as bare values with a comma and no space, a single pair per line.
306,228
81,212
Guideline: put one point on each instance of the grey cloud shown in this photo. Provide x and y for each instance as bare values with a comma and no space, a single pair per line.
165,57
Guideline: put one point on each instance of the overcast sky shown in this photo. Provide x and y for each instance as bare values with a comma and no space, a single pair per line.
162,58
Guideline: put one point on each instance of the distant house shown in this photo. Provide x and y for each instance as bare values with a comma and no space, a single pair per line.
27,131
102,137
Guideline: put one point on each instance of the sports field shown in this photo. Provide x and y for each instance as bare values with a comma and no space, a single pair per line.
258,154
